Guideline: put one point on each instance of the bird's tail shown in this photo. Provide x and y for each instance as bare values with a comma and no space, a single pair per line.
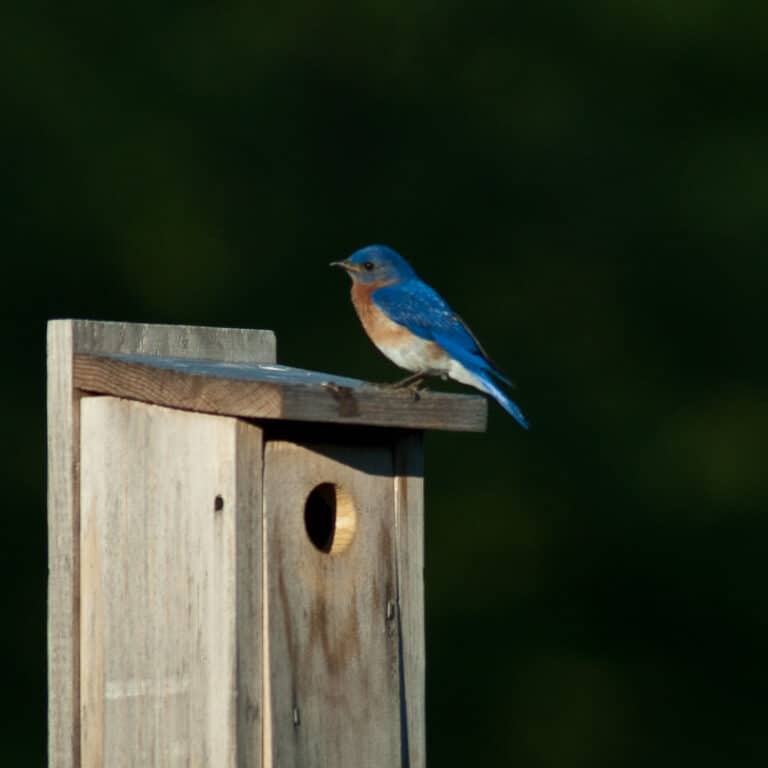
487,384
477,371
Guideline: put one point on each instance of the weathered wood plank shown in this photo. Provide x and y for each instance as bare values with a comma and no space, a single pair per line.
63,552
409,524
332,629
250,590
65,339
275,392
231,345
167,505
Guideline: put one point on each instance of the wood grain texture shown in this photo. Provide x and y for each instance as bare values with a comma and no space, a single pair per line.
63,552
275,392
409,524
333,643
65,339
232,345
249,478
165,501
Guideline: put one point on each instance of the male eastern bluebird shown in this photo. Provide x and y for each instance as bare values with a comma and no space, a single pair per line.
415,328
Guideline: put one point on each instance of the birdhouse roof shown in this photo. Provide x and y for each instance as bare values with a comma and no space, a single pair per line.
271,391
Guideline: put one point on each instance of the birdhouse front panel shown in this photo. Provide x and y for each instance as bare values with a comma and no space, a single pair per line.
330,550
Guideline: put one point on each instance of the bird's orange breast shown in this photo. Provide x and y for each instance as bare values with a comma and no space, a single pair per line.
399,344
382,330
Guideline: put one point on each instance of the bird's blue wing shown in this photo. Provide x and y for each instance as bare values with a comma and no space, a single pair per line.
424,312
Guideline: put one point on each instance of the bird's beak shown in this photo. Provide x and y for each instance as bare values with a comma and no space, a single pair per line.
345,265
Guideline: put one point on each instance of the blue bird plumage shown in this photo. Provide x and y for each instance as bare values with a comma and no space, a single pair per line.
414,326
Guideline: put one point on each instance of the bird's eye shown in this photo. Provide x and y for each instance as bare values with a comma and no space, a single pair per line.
368,266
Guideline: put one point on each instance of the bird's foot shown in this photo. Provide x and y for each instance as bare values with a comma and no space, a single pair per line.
415,380
416,387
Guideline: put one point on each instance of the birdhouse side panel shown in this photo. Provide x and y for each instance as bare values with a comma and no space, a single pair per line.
67,339
159,559
409,517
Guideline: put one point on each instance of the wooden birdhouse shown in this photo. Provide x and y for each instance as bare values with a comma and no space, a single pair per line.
235,554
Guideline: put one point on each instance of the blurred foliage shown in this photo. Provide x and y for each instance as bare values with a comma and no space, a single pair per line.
586,183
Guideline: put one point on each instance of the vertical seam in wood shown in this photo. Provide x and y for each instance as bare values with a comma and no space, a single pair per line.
398,481
238,683
408,468
250,478
266,694
76,601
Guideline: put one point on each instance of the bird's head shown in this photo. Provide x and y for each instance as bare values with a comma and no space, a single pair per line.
376,264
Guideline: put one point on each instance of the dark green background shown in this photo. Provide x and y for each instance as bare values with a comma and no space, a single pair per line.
587,183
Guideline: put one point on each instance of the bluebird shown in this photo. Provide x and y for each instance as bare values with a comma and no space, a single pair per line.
414,327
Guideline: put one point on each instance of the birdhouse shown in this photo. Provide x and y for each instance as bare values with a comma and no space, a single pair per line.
235,554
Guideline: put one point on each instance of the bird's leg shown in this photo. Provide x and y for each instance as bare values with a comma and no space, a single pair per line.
413,381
